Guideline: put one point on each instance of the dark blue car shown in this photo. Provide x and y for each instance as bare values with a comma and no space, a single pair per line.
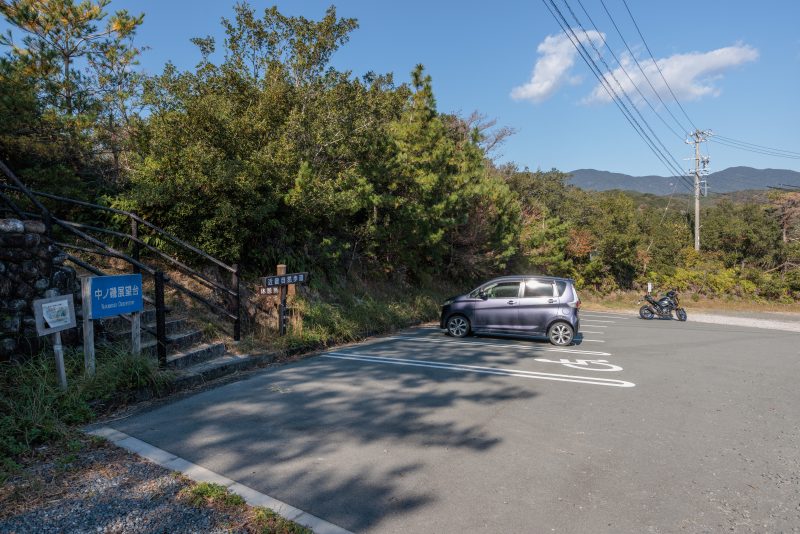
523,305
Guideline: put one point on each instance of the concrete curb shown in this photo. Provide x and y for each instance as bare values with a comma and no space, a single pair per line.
201,474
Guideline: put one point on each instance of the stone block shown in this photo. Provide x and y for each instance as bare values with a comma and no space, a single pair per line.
29,270
34,227
8,226
41,284
7,346
11,324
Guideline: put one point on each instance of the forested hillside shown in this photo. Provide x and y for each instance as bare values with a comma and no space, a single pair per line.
268,154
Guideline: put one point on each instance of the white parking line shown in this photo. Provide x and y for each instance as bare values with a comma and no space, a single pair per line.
596,325
593,340
481,370
516,346
590,332
596,321
612,315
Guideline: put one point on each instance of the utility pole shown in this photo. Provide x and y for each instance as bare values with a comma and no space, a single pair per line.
695,138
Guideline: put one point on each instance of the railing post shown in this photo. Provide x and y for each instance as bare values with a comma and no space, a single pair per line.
237,325
161,320
135,248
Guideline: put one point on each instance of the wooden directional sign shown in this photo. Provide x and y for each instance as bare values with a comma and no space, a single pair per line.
285,279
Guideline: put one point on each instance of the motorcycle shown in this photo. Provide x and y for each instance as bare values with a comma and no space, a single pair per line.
662,307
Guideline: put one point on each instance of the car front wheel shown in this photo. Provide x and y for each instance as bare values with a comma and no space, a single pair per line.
560,334
458,326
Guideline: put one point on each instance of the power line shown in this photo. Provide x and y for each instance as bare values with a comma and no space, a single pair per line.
657,67
621,89
586,57
644,74
768,152
755,145
621,66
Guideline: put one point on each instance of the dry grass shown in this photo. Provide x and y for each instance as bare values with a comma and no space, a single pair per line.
629,301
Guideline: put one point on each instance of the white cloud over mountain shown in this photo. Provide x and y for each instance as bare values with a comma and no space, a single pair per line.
691,76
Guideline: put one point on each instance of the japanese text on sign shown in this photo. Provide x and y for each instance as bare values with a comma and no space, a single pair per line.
115,295
285,279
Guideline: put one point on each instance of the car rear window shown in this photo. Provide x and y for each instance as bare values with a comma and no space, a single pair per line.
561,286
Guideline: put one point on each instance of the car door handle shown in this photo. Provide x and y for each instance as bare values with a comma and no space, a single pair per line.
511,302
550,301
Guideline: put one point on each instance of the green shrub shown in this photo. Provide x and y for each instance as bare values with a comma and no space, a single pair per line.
34,409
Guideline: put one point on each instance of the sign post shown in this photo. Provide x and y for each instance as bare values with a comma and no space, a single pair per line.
53,315
109,296
282,281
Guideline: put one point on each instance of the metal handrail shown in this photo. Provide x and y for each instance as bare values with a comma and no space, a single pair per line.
106,250
129,214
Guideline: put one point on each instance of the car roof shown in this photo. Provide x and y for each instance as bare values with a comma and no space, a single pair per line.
515,277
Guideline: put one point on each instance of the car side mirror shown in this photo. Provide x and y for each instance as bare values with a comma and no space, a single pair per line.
482,294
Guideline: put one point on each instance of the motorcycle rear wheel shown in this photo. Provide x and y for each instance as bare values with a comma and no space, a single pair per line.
681,314
646,312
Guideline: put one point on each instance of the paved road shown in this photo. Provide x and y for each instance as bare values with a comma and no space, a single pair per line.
643,426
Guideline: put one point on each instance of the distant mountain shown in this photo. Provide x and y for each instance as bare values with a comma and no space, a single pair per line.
727,181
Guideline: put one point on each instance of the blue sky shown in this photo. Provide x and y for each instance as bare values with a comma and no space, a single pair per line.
735,66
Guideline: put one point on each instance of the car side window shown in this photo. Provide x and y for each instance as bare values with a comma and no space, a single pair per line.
503,290
538,288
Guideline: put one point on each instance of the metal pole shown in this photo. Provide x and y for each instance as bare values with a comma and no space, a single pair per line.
136,333
161,320
237,325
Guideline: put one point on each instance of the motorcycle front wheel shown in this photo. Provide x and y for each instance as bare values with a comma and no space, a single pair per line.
681,314
646,312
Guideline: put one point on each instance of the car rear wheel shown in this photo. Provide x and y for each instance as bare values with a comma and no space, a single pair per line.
458,326
560,334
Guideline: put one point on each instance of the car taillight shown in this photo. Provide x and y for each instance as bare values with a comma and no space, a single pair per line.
574,304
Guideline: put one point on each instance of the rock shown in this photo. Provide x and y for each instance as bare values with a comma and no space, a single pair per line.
16,305
2,267
11,324
7,346
32,240
41,284
6,287
14,254
25,291
29,321
62,277
51,293
34,227
29,270
9,226
59,259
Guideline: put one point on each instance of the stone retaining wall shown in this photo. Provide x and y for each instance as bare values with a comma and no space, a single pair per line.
30,268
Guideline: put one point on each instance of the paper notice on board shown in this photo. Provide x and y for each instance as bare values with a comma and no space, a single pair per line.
56,313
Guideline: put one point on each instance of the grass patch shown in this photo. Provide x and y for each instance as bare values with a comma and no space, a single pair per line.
209,494
353,312
34,410
266,521
250,519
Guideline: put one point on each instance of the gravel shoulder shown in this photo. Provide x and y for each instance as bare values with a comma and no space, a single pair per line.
99,487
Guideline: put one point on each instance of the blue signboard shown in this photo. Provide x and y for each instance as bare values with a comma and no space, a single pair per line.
115,295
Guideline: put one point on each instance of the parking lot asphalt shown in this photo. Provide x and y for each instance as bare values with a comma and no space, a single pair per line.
641,426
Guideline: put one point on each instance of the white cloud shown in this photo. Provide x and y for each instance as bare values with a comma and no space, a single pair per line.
691,76
556,58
